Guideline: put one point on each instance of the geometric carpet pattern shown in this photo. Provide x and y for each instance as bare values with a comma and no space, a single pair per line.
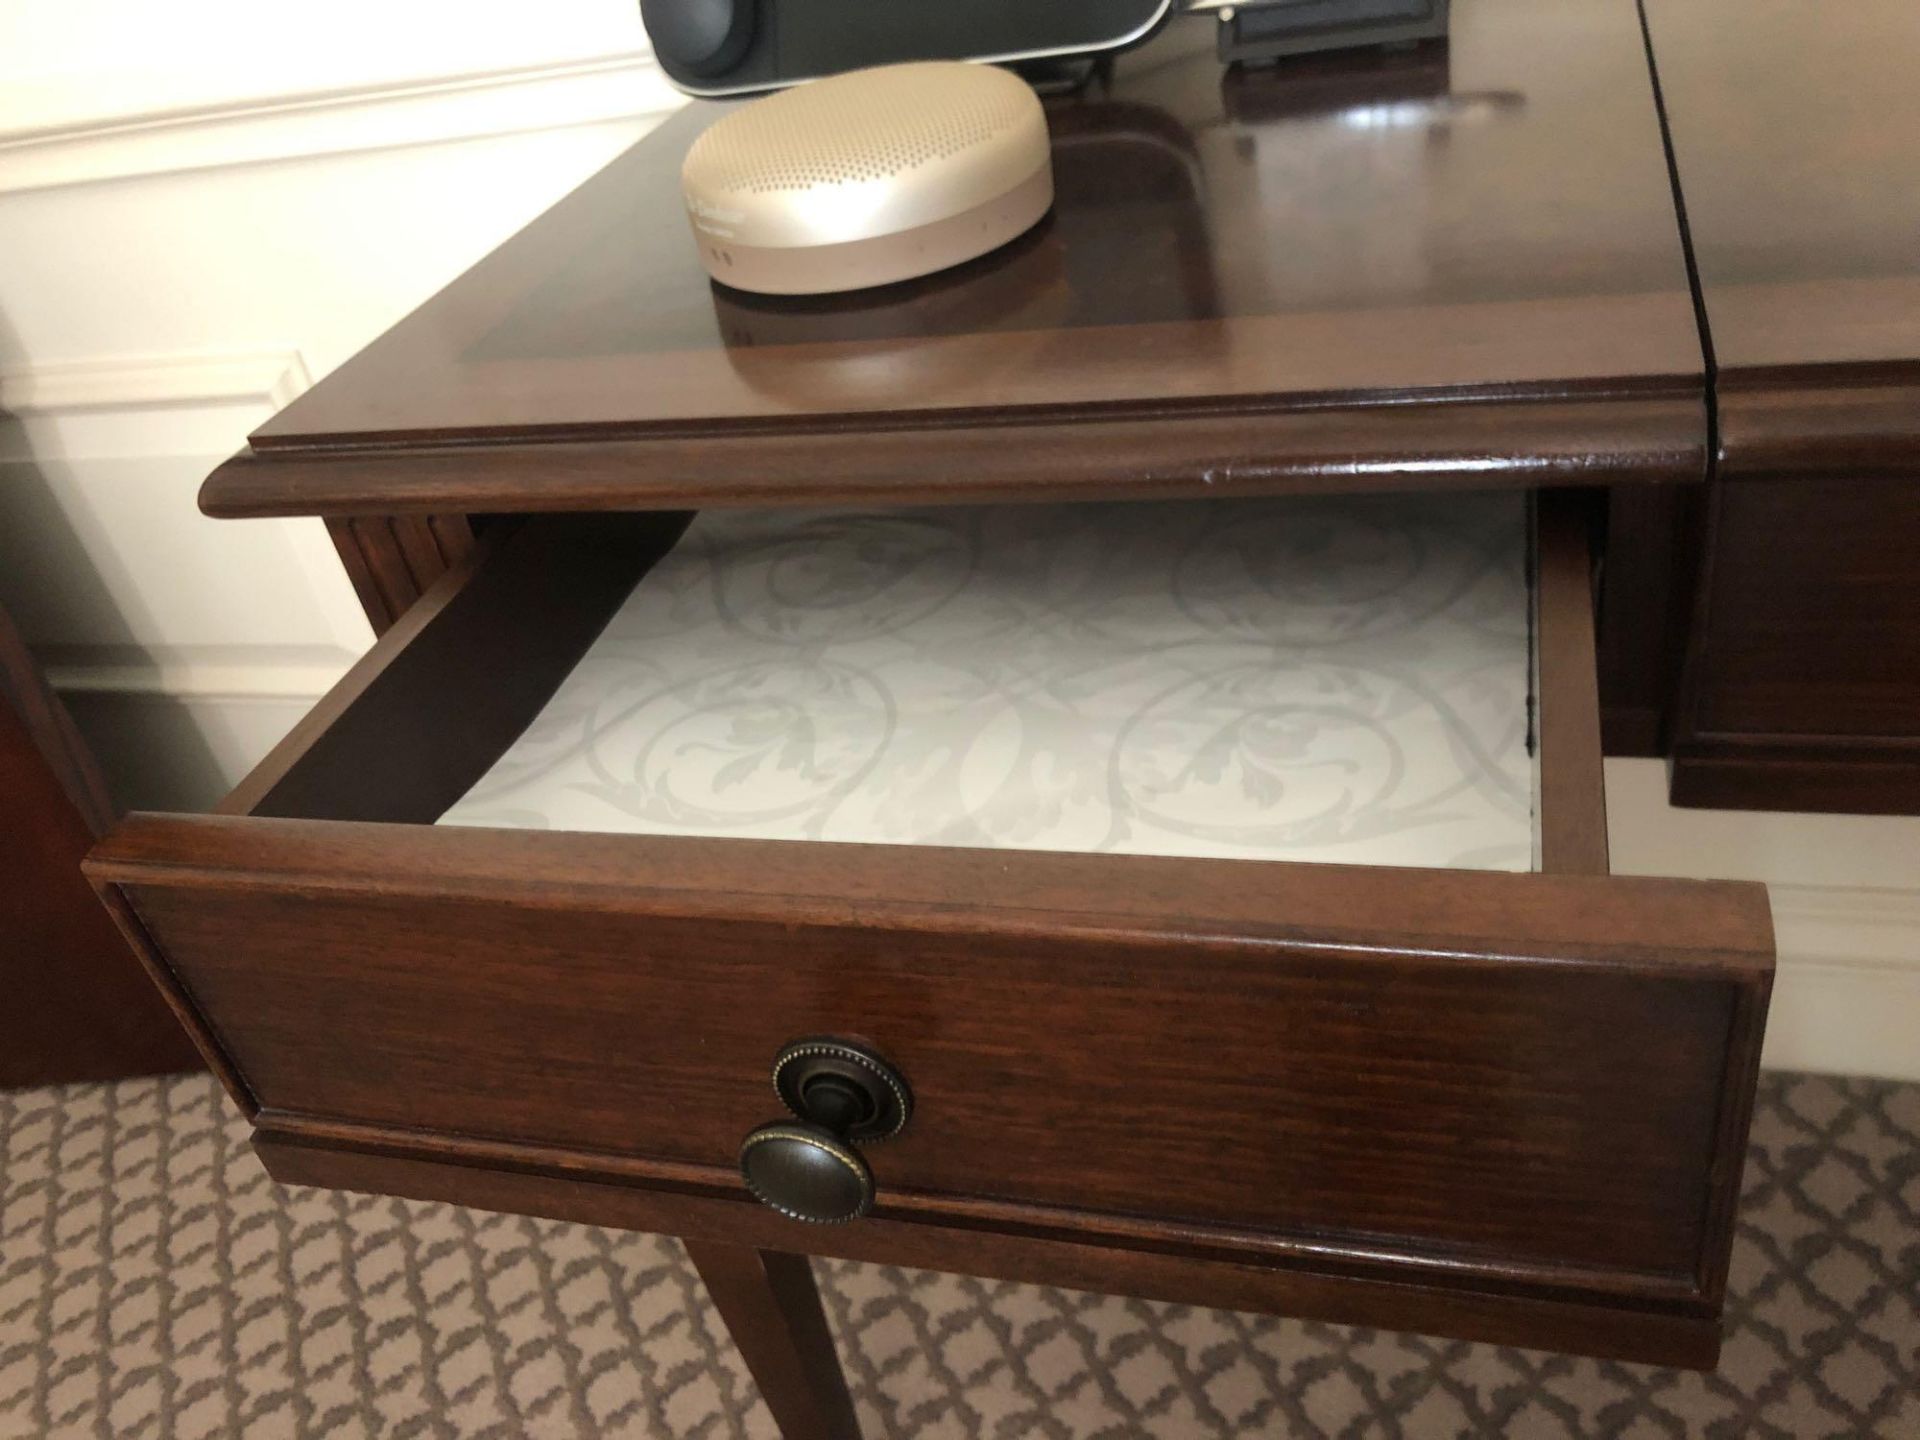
156,1285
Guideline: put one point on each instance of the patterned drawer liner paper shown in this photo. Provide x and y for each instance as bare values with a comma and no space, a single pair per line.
1332,680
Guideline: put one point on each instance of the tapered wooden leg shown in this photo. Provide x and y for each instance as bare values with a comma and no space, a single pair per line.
773,1310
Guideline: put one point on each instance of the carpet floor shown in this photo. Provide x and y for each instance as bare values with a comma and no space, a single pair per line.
155,1283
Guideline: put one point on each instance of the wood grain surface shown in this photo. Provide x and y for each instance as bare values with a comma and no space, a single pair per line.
1653,1334
1647,575
1456,266
1803,675
392,560
459,677
1791,126
1476,1078
772,1310
1505,1074
1570,783
76,1006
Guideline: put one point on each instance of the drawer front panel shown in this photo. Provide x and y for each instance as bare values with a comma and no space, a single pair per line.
1309,1053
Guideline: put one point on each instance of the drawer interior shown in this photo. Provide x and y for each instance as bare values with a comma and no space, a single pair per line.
1331,679
1379,681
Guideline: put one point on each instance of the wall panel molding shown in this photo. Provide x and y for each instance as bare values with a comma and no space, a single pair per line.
119,382
191,402
1847,990
1846,914
100,459
1861,927
201,207
622,86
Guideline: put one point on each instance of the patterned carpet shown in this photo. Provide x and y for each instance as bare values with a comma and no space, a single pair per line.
154,1283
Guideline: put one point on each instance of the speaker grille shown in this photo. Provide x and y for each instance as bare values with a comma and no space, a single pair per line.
865,125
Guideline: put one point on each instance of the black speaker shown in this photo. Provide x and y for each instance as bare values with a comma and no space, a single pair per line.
736,47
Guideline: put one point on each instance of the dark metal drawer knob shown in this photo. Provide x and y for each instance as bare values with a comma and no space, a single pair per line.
842,1093
806,1172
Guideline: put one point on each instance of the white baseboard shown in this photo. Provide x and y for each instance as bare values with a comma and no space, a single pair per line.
467,106
126,382
1846,912
1846,994
1844,1020
253,674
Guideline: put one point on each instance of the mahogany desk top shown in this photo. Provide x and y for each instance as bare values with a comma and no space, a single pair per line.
1456,267
1793,128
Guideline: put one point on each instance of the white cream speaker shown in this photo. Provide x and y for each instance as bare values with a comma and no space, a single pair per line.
868,177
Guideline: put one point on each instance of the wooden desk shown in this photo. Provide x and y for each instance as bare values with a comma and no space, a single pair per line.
1247,277
1792,127
1489,1104
1454,268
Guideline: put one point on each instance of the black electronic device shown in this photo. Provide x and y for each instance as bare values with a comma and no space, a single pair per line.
1257,30
737,47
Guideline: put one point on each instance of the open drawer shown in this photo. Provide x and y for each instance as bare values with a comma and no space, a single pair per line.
1468,1083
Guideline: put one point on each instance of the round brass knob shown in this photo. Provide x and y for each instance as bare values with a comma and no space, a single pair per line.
806,1173
842,1092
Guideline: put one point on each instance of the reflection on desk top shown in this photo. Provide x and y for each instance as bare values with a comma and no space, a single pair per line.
1485,221
1796,134
1796,129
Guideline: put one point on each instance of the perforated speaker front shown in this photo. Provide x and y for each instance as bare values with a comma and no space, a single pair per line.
943,156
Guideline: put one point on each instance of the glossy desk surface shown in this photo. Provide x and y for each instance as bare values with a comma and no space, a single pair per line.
1455,266
1796,135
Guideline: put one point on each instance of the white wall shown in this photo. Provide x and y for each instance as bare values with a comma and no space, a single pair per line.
206,204
81,64
203,207
1846,915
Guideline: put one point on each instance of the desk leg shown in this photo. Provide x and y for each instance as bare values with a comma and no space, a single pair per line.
773,1312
